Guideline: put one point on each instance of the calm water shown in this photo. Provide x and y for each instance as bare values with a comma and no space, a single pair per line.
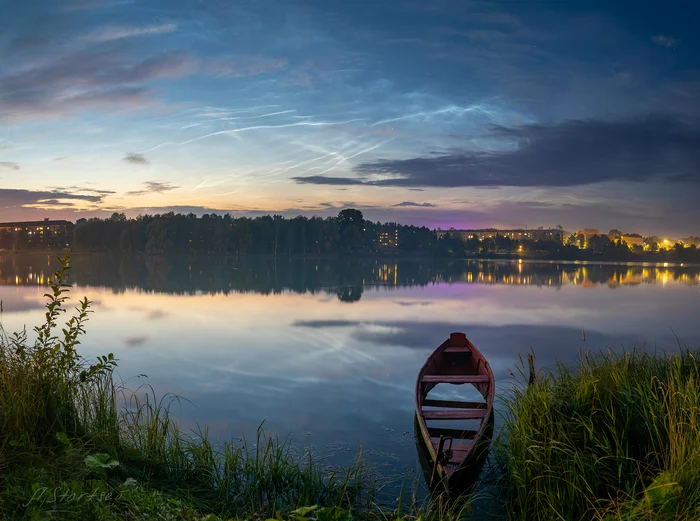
329,351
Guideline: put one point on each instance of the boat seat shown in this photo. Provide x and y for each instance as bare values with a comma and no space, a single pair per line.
456,379
458,349
453,404
458,454
463,414
457,434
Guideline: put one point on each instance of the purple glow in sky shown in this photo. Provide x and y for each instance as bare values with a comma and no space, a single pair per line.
445,113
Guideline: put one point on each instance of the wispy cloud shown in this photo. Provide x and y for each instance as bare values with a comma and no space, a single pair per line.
84,79
85,189
109,33
47,203
77,5
151,187
665,41
420,205
243,66
10,165
571,153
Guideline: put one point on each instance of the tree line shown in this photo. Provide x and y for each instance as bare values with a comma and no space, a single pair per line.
348,232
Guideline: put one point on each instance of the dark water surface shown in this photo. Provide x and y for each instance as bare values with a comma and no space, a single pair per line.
328,351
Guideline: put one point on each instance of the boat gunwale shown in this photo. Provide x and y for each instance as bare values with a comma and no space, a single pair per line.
489,397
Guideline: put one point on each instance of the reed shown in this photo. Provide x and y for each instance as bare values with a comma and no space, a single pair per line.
616,436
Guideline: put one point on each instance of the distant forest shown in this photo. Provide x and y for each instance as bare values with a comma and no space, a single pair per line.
349,233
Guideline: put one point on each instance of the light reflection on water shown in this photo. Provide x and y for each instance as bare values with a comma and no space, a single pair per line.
329,350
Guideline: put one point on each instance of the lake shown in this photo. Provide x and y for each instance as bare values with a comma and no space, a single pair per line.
328,351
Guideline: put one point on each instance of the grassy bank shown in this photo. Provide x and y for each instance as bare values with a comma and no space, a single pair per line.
76,445
616,437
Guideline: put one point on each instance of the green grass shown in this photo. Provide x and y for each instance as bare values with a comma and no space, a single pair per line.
616,437
76,445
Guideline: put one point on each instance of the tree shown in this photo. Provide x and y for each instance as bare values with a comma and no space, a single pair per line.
351,229
598,243
350,217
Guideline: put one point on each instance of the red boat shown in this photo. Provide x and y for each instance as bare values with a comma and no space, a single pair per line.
461,442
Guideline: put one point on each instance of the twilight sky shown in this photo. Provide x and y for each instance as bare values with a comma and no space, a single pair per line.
444,113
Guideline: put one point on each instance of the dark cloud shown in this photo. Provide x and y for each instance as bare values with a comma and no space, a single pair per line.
158,314
184,209
572,153
11,165
92,190
13,198
154,187
136,159
411,203
136,341
321,324
665,41
324,180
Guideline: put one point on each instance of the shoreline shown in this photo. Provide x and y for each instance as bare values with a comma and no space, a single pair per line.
505,257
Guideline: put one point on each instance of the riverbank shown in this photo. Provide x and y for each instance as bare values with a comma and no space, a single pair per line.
616,437
569,255
73,445
76,445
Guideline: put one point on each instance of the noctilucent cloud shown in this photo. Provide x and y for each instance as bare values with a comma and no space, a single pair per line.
442,113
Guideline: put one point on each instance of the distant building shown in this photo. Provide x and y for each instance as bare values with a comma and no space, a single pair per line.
24,233
633,240
690,241
587,232
38,227
519,234
389,239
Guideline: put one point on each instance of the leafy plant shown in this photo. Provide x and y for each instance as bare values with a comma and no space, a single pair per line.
100,463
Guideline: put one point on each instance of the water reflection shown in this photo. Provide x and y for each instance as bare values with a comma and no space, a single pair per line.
346,279
329,350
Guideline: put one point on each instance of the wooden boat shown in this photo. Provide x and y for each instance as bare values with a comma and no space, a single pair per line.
455,450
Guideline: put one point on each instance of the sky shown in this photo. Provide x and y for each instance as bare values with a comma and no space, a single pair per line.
440,113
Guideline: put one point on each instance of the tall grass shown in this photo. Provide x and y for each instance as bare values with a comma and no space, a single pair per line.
56,408
67,426
46,388
235,477
615,437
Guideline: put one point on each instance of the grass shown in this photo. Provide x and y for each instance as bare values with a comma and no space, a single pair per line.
76,445
616,437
